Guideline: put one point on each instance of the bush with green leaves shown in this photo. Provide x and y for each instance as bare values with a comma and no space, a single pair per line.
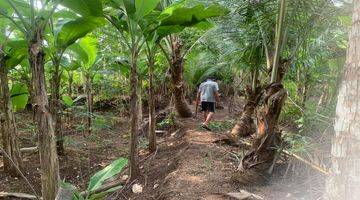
96,182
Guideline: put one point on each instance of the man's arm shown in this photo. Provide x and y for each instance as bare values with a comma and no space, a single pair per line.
217,96
197,103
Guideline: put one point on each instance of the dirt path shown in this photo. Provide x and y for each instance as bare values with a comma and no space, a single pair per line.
204,167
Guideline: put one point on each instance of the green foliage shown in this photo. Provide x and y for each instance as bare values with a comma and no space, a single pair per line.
167,122
97,180
72,30
68,101
111,170
19,96
86,8
222,126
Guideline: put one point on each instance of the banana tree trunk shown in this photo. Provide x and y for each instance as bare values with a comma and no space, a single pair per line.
44,121
8,127
70,84
177,80
89,101
140,103
152,120
134,168
55,106
343,182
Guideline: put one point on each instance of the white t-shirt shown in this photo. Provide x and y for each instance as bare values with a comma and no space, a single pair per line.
207,90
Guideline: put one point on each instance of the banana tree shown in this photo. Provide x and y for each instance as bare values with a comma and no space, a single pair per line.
11,54
32,20
86,53
68,29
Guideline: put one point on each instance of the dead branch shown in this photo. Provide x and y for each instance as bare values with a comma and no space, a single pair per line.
26,150
17,195
299,158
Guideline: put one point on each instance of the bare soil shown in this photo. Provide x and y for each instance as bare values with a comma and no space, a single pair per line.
188,165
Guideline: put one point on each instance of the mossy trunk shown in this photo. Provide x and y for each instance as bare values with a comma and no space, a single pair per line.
8,127
44,122
177,80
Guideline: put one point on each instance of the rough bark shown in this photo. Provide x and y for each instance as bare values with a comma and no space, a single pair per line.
152,120
260,158
246,126
55,106
8,127
44,122
134,168
177,80
344,181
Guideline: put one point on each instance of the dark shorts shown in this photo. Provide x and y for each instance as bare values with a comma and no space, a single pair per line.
208,106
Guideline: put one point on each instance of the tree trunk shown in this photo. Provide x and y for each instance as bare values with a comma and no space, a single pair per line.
8,126
246,126
45,130
134,168
70,82
152,120
305,88
259,160
177,80
140,104
89,101
55,106
344,179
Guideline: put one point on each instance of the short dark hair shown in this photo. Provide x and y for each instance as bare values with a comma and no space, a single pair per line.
211,78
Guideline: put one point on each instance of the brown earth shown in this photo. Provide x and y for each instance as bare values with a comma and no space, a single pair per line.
188,165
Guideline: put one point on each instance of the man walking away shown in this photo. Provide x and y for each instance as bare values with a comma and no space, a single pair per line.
208,95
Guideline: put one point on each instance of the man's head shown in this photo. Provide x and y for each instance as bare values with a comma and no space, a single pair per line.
211,78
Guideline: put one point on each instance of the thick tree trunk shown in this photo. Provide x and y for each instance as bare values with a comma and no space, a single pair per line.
55,106
259,160
45,130
8,127
134,168
246,126
152,120
344,180
89,101
177,80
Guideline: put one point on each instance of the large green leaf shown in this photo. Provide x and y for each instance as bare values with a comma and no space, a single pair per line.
144,7
19,96
86,8
76,29
111,170
16,52
89,45
190,16
68,101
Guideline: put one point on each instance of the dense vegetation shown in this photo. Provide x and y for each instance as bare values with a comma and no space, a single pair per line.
72,70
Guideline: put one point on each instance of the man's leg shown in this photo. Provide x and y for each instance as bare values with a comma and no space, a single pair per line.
208,118
205,115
